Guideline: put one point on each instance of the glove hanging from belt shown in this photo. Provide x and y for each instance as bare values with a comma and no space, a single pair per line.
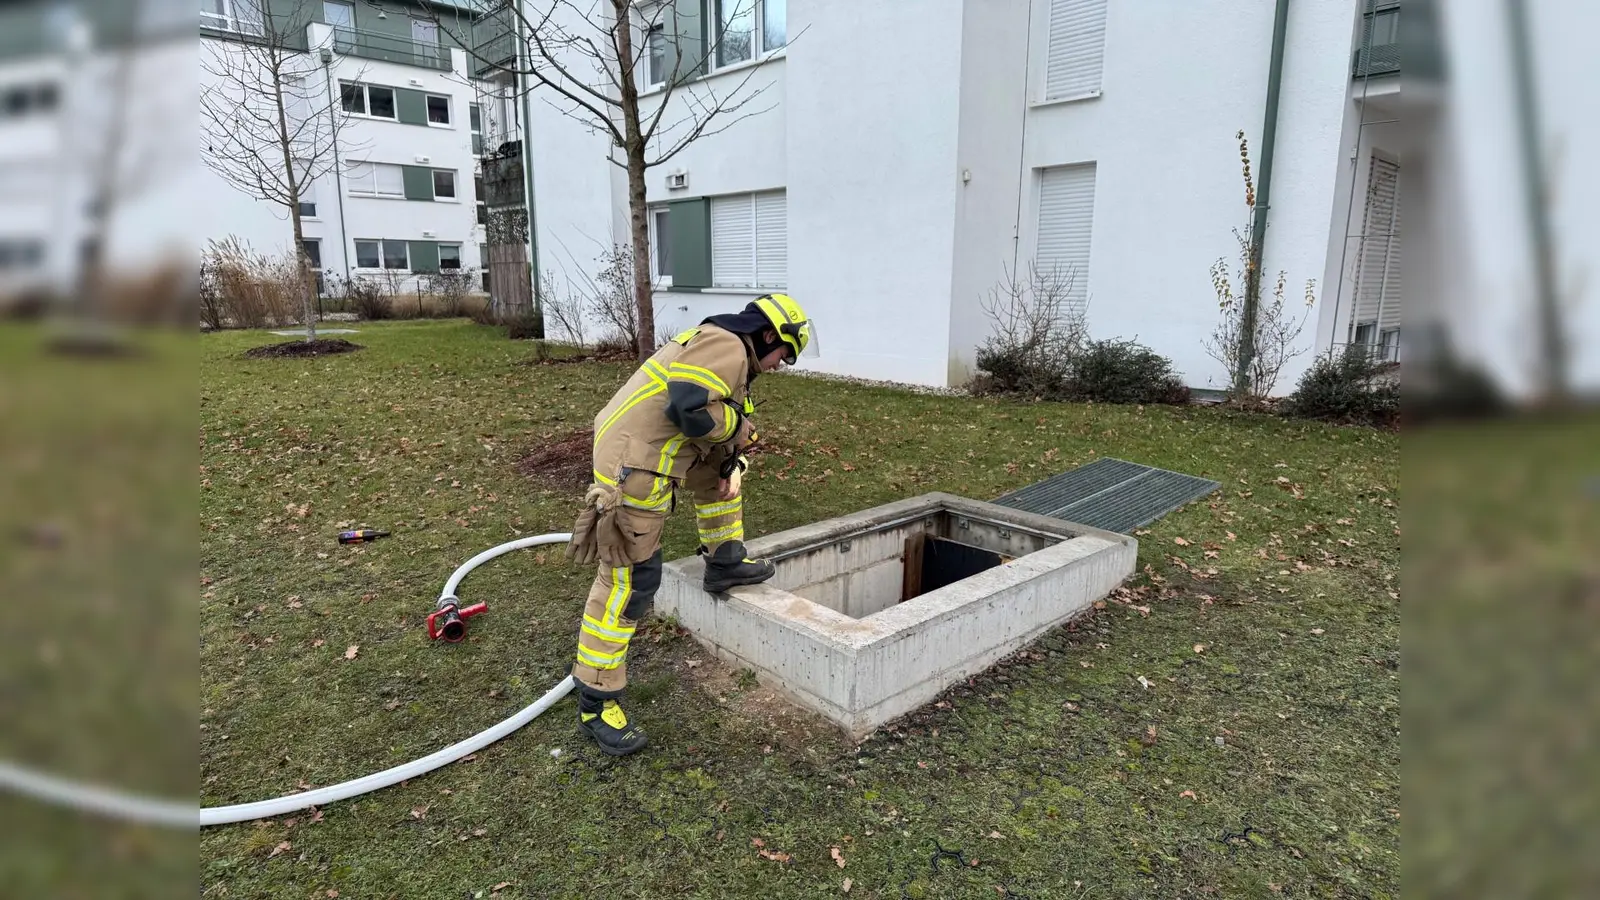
733,469
597,535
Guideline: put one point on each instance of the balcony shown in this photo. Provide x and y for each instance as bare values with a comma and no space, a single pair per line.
1380,59
495,51
390,48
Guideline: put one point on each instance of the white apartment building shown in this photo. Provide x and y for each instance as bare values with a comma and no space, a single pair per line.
909,154
401,198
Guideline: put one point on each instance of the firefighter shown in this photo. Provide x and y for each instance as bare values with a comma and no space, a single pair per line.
683,418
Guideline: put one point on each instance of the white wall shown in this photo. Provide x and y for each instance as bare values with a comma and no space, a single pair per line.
994,65
871,100
1179,80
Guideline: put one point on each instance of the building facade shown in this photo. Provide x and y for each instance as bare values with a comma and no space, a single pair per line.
404,195
900,165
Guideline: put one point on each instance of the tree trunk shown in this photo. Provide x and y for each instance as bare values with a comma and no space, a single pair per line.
308,298
639,231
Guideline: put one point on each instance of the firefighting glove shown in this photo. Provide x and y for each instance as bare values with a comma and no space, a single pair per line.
596,535
732,470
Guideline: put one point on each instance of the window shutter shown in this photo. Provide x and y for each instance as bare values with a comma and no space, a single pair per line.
1077,48
411,106
424,256
690,242
389,180
772,240
1378,284
1066,224
733,257
363,177
418,182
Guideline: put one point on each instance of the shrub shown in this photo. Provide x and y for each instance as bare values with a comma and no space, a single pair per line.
254,290
1037,333
1115,371
447,291
1346,387
525,325
368,299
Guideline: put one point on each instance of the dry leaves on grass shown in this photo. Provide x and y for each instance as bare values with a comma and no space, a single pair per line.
283,847
838,858
847,885
1181,542
775,856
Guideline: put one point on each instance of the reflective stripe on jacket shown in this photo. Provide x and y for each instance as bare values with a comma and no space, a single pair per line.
680,406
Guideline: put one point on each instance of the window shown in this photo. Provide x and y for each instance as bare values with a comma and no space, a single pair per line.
736,26
1385,24
19,100
382,254
21,253
242,16
377,179
308,200
660,246
482,199
750,241
438,110
367,100
773,31
657,73
1065,225
369,254
312,247
444,184
1076,49
424,32
339,15
449,256
475,119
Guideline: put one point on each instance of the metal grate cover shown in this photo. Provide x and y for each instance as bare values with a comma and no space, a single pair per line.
1112,494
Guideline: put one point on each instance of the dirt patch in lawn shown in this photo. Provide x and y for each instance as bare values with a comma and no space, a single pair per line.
564,463
318,347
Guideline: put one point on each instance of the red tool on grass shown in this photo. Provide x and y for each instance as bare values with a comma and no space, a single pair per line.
454,617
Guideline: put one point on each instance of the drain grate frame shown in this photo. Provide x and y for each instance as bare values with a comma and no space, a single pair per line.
1112,494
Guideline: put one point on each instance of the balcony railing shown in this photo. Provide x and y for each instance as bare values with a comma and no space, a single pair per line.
390,48
497,50
1380,59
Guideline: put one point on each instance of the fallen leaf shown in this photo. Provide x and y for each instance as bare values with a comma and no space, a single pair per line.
392,705
973,862
351,651
996,835
1232,536
419,812
284,847
757,842
1199,648
847,885
501,886
1143,610
1316,631
1181,542
318,642
1146,682
480,832
1189,794
838,858
332,893
1211,554
294,603
921,764
774,856
316,816
692,663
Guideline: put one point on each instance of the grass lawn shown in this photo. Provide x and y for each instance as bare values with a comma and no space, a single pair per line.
1262,760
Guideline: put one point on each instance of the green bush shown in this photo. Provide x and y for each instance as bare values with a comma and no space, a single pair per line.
524,325
1346,387
1115,371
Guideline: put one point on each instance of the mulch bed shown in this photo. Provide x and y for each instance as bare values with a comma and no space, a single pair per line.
318,347
566,463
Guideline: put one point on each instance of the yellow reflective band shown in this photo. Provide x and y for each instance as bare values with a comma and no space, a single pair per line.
610,482
622,586
600,630
729,424
712,510
602,654
649,504
701,375
642,394
655,371
686,336
588,658
669,453
596,631
733,532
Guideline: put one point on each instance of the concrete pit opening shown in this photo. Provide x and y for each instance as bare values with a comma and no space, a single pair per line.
873,614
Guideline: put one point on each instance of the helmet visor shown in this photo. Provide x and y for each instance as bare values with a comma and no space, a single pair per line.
804,333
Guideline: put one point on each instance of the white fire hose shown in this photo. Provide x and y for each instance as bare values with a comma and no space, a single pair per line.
150,811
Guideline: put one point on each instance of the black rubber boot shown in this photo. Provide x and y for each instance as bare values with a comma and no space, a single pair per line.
728,567
602,719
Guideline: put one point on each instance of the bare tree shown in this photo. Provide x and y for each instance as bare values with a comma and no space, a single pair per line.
1038,332
272,120
585,57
